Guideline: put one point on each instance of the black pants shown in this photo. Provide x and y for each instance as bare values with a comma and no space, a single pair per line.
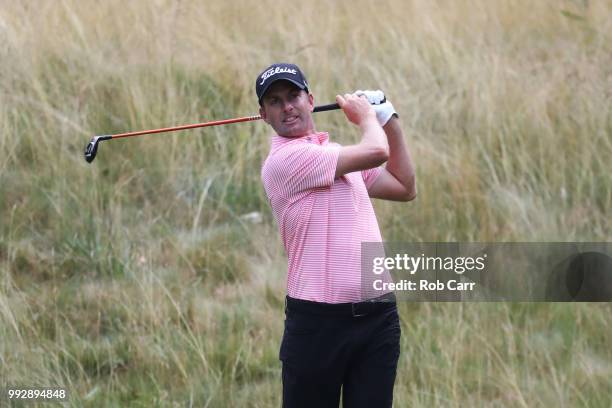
326,348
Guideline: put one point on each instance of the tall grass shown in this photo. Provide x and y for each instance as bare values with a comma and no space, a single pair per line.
135,280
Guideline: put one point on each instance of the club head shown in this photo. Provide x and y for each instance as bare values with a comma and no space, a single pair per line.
92,147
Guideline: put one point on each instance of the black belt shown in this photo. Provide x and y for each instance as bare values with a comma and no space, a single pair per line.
357,309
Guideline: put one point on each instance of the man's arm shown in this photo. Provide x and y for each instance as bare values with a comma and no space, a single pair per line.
373,150
397,180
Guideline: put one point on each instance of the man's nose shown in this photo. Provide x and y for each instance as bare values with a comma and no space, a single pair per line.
287,106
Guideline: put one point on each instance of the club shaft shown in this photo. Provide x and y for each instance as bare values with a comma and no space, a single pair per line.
322,108
184,127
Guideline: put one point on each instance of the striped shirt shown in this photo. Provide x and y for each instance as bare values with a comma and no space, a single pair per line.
322,220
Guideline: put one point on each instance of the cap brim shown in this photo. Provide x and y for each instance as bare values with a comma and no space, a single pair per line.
267,86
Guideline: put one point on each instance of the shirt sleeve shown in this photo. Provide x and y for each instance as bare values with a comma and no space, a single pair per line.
299,167
370,175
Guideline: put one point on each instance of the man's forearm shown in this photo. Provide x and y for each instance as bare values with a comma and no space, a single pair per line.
373,135
400,163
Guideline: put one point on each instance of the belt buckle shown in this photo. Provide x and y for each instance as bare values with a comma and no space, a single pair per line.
353,311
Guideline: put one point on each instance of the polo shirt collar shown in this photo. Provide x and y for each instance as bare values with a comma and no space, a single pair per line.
320,138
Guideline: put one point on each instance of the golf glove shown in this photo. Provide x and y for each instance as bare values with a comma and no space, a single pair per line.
383,108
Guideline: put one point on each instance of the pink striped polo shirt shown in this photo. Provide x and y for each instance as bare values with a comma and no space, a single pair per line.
322,220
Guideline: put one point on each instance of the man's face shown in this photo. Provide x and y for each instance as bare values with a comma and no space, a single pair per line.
288,109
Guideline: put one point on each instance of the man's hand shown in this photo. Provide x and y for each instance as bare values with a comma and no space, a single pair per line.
356,108
384,110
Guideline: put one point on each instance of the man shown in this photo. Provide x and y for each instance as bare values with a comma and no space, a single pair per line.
320,195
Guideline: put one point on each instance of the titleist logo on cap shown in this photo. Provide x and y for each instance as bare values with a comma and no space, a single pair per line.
274,71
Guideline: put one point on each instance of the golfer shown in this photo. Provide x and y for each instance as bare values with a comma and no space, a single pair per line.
336,342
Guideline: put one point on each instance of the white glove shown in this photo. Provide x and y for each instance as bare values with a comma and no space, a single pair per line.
384,110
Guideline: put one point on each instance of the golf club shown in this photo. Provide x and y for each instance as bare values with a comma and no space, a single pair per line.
92,147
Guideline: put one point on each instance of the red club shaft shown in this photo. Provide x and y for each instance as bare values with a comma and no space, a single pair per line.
196,125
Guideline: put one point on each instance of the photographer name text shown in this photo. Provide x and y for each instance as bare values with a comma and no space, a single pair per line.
422,284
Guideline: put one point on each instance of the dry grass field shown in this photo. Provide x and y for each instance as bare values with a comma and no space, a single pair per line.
138,281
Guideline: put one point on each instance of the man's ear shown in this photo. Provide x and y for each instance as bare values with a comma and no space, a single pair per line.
311,101
262,113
